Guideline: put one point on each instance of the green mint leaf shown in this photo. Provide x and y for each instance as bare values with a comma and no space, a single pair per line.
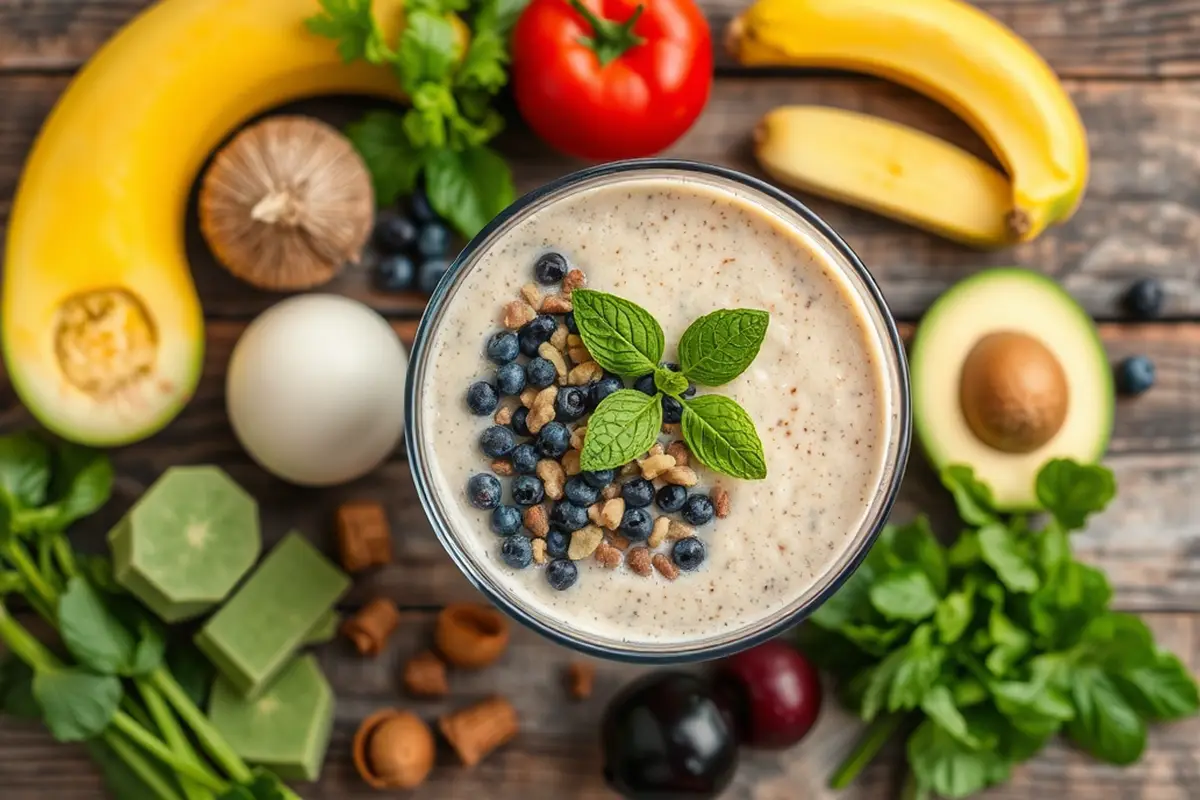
1118,642
93,634
969,691
940,706
16,690
150,642
352,24
915,543
82,483
948,767
1000,551
1071,491
973,498
953,616
76,704
484,65
878,681
719,346
873,639
669,382
906,594
917,672
1011,642
1032,707
721,436
1053,550
469,188
1162,691
623,426
622,337
428,51
394,164
1105,725
24,471
965,552
1061,610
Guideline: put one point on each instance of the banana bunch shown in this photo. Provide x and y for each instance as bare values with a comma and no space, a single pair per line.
954,54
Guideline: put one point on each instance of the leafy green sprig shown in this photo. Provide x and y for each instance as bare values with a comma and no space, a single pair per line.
984,651
443,138
625,339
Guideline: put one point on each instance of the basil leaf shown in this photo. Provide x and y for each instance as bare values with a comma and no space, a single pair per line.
939,705
850,603
623,426
1072,491
91,632
973,498
1053,549
1060,611
1105,725
1000,552
1118,642
721,436
16,690
622,337
483,65
394,163
718,347
669,382
1010,642
953,615
1032,707
905,594
193,671
879,683
82,483
1162,691
965,552
24,471
469,188
917,672
428,50
915,543
76,704
950,768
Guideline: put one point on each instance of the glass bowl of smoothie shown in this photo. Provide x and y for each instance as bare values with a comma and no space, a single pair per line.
827,392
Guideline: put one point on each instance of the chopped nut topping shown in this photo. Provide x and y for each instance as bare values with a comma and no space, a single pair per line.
680,452
577,436
364,536
679,530
574,340
536,520
554,478
552,354
611,491
528,395
681,476
425,676
612,512
503,415
539,551
629,470
517,313
570,462
532,294
671,428
608,555
579,355
594,514
584,542
720,498
656,449
665,566
579,679
573,280
618,540
639,560
542,410
559,338
654,466
584,373
659,534
502,467
556,304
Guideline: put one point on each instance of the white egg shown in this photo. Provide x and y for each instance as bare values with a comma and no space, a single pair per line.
315,389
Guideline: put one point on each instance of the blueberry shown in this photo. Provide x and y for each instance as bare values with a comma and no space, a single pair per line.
482,398
519,422
567,516
502,347
506,520
688,392
645,384
638,493
524,459
433,241
1135,375
517,551
561,574
497,441
422,211
570,403
431,273
670,498
540,373
483,490
570,320
580,492
1144,300
395,273
636,524
604,387
697,509
510,378
527,490
550,268
394,233
534,333
688,553
599,478
672,410
553,439
557,544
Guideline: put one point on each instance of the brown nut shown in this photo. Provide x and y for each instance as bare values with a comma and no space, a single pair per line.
364,537
679,451
393,750
425,676
371,627
477,730
471,635
720,498
579,679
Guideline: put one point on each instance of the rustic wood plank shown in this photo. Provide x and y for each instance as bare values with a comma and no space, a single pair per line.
1097,38
557,753
1141,216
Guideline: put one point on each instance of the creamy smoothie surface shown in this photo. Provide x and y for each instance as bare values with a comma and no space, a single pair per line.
816,392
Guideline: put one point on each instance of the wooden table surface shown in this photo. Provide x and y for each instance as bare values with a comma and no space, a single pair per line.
1133,68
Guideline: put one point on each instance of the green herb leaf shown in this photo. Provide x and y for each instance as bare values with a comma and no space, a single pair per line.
669,382
24,471
428,51
1118,642
915,543
353,25
91,632
76,704
500,15
969,691
721,436
1071,491
1002,554
1032,707
973,498
1162,691
1053,550
1105,725
193,671
1060,611
875,639
965,552
394,164
264,786
469,188
878,683
718,347
1010,642
905,594
622,337
939,705
483,66
16,690
953,615
850,603
82,484
121,780
950,768
623,426
917,672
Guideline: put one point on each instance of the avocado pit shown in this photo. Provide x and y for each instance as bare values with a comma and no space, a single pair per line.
1013,392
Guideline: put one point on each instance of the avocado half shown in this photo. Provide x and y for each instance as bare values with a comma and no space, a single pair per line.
1009,300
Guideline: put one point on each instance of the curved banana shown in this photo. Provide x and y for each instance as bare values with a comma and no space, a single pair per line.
955,54
102,329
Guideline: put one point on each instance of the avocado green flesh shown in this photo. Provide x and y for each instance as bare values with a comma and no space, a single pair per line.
1019,300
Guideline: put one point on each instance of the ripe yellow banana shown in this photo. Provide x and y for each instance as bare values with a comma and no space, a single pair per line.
955,54
102,329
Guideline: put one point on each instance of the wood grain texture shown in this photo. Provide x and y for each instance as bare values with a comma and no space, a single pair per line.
1141,215
1079,38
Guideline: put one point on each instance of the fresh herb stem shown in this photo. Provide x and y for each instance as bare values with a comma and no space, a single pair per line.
65,556
130,727
210,739
22,643
19,558
876,736
141,766
174,736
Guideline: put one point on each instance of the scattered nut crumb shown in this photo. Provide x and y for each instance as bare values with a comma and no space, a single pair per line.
681,476
574,340
425,676
584,373
556,304
618,540
554,478
639,561
503,415
671,428
659,534
542,410
559,338
536,520
594,514
654,466
679,451
502,467
572,281
612,512
579,355
570,462
577,437
517,313
679,530
656,449
478,730
532,294
579,678
665,566
364,536
629,470
528,395
555,357
608,556
539,551
584,542
720,498
610,491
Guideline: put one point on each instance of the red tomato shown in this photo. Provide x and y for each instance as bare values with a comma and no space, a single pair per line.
611,79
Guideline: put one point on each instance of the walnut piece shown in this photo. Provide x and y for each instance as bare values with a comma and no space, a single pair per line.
364,537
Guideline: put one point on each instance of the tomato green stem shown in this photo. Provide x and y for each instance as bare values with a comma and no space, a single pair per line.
876,736
609,40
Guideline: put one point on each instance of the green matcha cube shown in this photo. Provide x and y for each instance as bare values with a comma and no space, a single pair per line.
287,729
254,634
324,631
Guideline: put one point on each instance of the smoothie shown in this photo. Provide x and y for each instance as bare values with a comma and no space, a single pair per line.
822,393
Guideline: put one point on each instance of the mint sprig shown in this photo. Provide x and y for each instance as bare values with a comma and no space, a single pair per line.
625,339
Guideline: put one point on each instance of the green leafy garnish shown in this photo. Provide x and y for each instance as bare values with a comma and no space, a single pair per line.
624,425
622,337
721,436
76,704
719,346
988,649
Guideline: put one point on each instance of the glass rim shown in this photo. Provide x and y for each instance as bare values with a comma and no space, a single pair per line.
891,344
